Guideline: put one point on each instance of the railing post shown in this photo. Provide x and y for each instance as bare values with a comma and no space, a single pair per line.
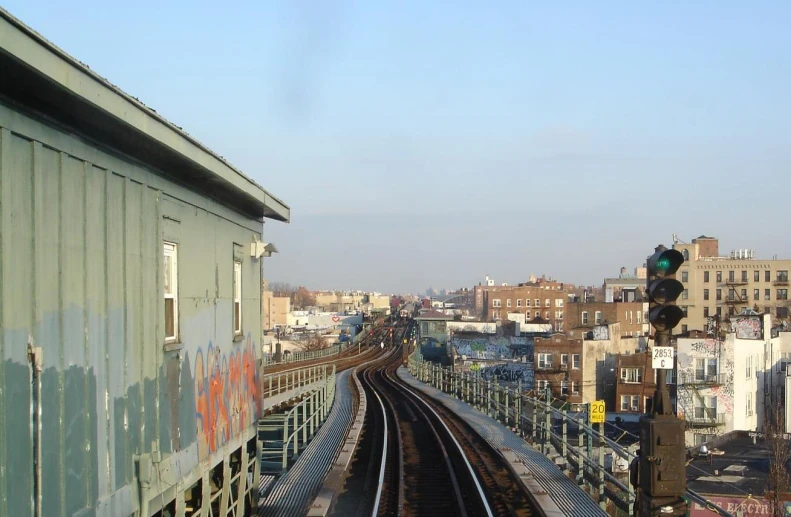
312,402
589,446
507,409
548,424
580,445
564,445
489,398
285,443
296,434
602,499
305,422
496,399
518,408
535,421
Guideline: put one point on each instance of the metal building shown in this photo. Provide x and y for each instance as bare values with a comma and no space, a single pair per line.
130,300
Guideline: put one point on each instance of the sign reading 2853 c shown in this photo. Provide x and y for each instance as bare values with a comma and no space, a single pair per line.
662,358
597,412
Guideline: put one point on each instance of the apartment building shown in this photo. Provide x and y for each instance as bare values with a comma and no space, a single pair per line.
583,318
636,383
558,366
537,303
728,384
725,285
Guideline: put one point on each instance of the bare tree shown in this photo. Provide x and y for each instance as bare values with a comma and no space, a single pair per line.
312,342
779,482
281,289
302,298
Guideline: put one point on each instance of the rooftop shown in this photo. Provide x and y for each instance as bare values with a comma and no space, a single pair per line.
737,468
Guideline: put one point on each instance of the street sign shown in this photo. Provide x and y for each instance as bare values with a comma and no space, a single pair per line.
597,412
662,358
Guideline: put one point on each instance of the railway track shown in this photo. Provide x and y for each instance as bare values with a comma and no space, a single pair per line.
418,459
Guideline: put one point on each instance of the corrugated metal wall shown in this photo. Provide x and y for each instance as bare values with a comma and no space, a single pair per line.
81,270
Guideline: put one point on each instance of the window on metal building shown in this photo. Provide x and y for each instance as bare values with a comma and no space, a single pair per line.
237,298
171,292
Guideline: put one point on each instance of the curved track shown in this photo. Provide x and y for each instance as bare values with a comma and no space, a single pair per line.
418,459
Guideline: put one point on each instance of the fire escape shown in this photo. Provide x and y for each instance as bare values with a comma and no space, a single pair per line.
735,296
693,388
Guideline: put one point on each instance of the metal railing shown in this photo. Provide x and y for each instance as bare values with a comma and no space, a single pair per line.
282,382
537,422
699,378
296,357
313,411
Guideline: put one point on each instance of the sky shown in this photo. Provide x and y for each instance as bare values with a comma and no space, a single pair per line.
428,144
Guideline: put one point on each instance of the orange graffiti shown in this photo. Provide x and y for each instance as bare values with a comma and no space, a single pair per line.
226,395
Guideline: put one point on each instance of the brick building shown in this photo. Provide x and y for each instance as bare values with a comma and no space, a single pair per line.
532,301
636,383
582,317
558,366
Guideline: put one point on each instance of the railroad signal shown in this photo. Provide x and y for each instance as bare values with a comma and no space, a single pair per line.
663,289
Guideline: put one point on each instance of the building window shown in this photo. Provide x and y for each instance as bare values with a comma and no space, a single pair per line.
538,302
630,402
575,361
496,303
559,315
564,359
632,375
731,276
731,310
719,276
575,388
546,302
537,314
705,312
785,360
545,360
731,294
508,302
237,298
558,302
719,294
749,404
782,276
744,276
685,309
683,329
782,294
496,315
756,276
564,388
584,317
705,369
527,302
767,294
744,295
597,318
705,294
748,367
171,293
639,317
756,294
685,294
685,276
719,311
518,302
705,276
542,385
546,315
527,315
768,276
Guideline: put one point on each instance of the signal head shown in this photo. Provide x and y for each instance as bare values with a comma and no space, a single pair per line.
664,263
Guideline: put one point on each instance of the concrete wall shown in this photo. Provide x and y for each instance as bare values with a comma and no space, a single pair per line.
82,277
275,310
598,365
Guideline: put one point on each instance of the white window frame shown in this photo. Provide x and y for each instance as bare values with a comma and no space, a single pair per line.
237,298
527,302
542,384
575,388
575,361
597,318
584,319
538,302
564,359
558,302
625,400
508,302
496,303
564,388
546,302
544,361
537,314
632,375
518,302
170,249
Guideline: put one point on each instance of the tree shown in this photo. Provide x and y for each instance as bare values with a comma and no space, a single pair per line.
302,298
312,342
281,289
779,447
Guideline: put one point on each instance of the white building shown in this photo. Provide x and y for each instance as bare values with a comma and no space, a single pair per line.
726,385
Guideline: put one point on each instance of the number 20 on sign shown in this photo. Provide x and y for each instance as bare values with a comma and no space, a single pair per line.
597,412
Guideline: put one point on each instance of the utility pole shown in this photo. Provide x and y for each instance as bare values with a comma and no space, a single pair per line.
662,464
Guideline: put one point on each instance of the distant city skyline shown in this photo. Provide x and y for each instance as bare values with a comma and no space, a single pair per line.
433,143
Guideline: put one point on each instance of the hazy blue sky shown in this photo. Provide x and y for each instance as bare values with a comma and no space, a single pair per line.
432,143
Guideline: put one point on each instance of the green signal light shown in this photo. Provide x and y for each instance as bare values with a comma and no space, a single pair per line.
663,263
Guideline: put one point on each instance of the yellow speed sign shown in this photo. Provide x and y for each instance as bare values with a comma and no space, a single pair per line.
597,412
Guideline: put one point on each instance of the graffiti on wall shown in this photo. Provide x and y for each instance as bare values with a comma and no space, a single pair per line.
601,333
226,394
748,327
688,362
494,347
511,372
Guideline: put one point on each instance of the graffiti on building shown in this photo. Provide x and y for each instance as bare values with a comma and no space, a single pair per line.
747,327
511,372
601,333
226,394
746,506
482,347
690,364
